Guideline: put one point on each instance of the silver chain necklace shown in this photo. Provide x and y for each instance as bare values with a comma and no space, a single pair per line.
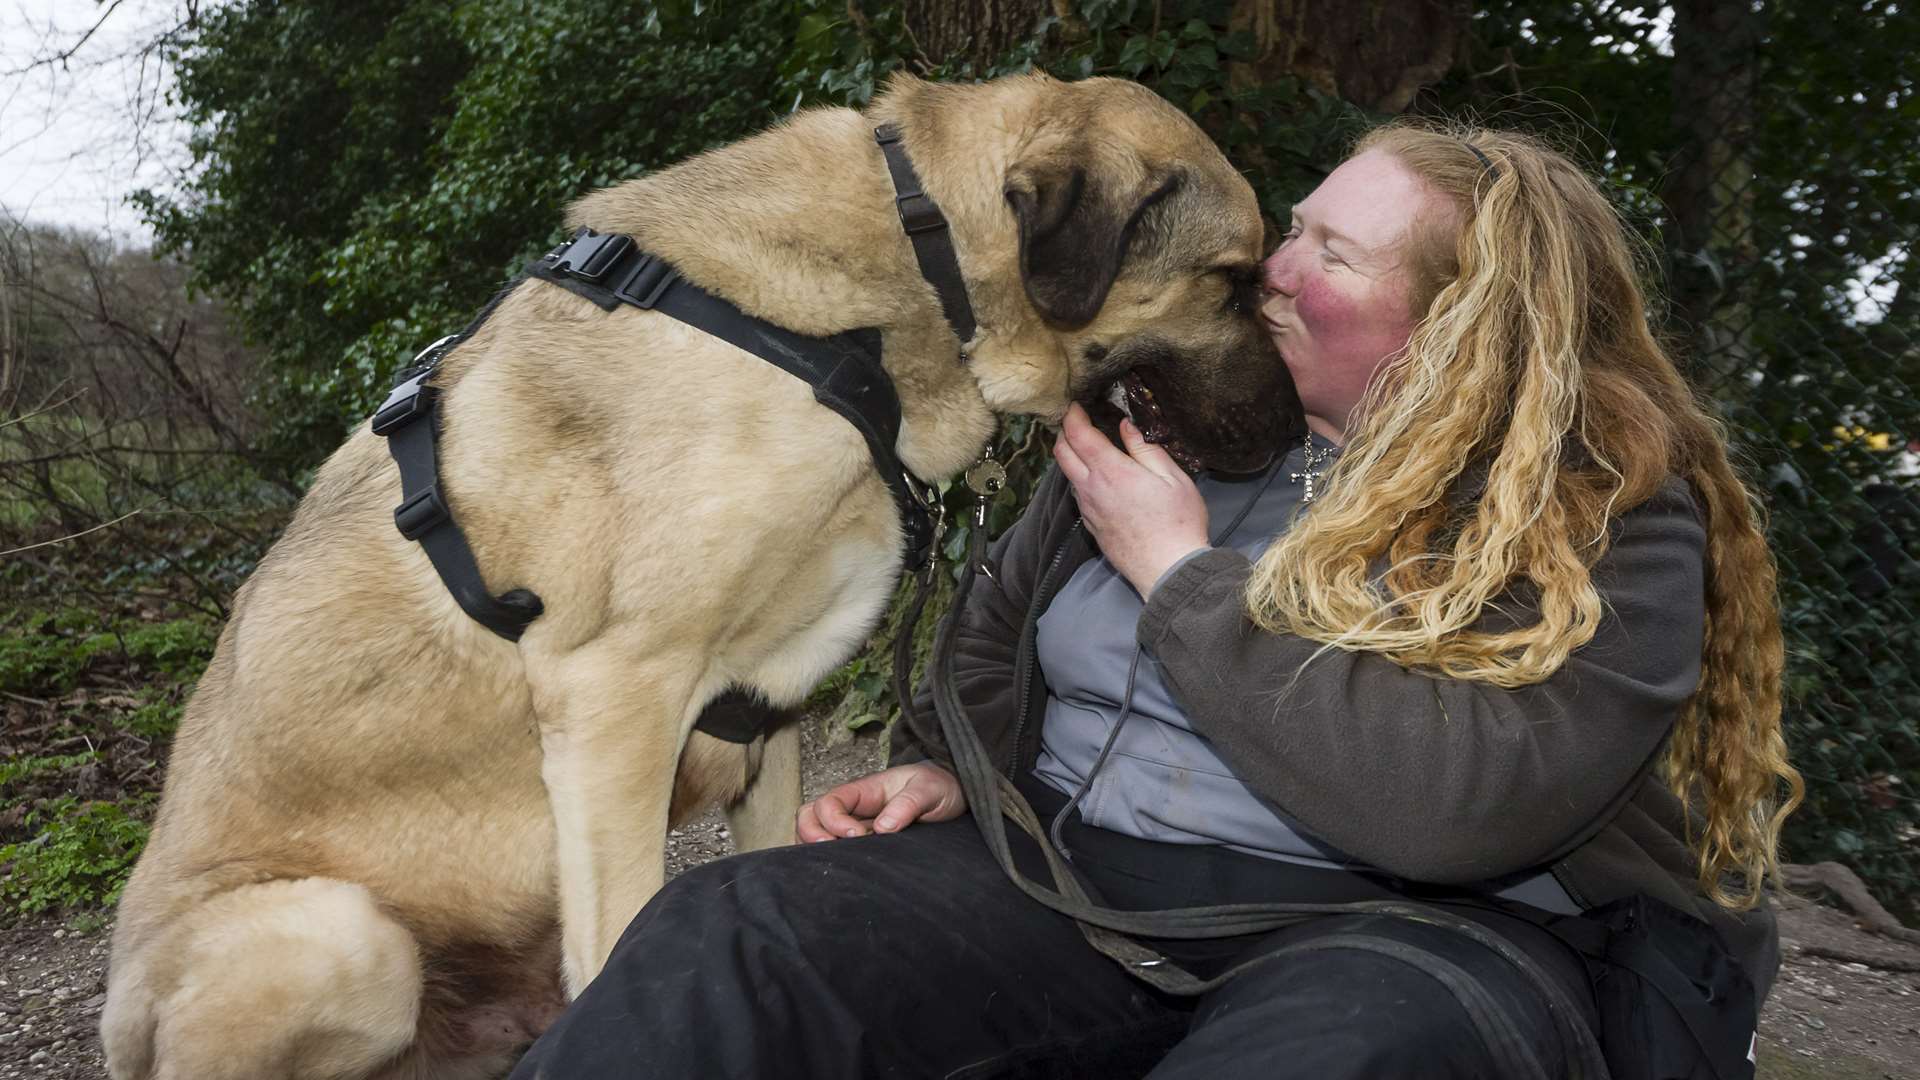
1314,469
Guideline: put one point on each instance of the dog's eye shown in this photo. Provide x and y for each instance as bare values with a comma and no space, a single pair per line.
1243,291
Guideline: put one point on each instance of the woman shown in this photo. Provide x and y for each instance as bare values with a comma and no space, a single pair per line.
1462,644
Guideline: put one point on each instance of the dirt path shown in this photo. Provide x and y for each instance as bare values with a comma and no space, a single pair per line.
1828,1019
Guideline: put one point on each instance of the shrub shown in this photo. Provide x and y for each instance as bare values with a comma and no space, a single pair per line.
79,856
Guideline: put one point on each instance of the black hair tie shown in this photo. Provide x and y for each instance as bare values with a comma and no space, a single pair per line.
1492,169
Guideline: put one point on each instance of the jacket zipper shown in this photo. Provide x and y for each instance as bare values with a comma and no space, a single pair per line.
1024,660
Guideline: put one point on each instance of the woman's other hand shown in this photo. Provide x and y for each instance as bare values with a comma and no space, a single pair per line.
1139,504
882,802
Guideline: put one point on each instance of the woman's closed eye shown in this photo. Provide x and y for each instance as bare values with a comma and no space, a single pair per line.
1328,256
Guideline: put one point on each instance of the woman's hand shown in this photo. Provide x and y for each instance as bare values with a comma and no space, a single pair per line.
1140,506
882,802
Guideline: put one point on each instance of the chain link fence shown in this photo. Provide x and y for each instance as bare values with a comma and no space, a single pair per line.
1793,278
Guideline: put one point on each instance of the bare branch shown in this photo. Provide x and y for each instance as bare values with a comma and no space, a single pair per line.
61,57
75,536
42,410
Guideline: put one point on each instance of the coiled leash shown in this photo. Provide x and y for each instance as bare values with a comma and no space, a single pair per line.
993,800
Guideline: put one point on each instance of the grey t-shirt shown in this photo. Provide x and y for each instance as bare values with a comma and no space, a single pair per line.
1163,781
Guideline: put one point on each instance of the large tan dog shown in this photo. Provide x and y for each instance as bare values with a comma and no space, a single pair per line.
393,844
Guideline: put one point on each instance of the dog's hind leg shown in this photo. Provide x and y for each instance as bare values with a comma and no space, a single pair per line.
283,980
763,816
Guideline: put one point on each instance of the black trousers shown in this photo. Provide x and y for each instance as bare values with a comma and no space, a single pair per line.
910,955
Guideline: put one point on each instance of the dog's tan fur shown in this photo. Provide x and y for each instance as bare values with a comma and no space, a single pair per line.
393,844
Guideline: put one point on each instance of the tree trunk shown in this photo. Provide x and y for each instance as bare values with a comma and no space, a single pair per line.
973,31
1709,189
1376,55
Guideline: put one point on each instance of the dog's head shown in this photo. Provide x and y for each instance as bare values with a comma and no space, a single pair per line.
1139,248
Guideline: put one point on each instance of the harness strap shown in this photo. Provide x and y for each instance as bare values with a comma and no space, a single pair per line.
408,420
927,229
740,715
843,369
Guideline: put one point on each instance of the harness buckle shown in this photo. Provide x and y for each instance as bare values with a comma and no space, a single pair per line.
589,255
420,514
406,403
919,214
650,277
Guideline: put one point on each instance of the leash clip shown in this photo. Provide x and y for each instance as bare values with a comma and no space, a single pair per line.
927,497
985,478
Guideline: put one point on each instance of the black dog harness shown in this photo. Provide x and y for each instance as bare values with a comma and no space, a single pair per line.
844,369
610,269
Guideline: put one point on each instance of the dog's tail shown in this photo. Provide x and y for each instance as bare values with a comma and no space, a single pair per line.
266,982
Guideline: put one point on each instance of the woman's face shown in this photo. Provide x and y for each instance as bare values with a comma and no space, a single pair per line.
1338,289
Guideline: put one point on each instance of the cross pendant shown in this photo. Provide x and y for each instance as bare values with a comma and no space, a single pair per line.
1308,477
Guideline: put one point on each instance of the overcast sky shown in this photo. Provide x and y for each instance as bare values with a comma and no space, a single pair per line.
77,138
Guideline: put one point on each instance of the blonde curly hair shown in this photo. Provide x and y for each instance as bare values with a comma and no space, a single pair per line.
1532,360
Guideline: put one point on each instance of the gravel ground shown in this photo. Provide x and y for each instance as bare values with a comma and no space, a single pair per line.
1851,1018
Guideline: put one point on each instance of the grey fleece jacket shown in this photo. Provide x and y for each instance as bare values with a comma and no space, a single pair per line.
1429,779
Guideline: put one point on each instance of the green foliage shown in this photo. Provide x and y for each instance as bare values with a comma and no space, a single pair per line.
45,656
1834,372
26,769
369,173
73,820
156,716
48,656
79,855
1286,134
177,650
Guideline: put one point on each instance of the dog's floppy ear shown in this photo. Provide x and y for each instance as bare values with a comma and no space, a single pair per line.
1074,230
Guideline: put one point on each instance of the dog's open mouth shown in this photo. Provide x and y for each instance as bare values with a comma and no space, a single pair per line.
1232,438
1130,396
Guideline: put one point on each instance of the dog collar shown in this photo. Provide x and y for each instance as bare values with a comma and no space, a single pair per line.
929,233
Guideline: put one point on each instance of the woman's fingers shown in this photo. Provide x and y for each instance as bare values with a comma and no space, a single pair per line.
825,818
1155,459
1071,466
844,811
931,794
806,824
1088,442
1096,454
1135,501
905,808
886,801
